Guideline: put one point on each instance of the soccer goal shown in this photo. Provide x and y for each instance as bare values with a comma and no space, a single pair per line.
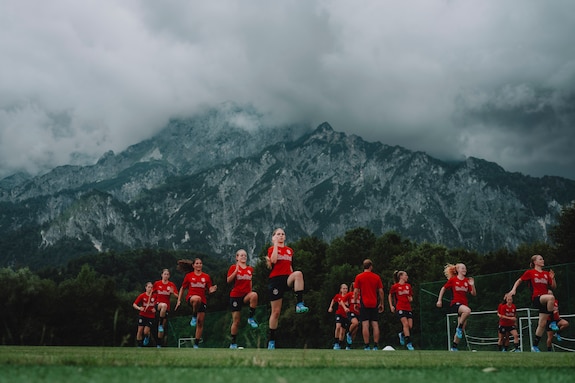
481,330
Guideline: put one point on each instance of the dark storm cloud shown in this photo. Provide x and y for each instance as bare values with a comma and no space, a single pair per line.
491,79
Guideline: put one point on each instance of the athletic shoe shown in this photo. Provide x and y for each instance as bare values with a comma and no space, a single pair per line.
158,346
459,332
558,337
410,347
367,348
194,321
375,348
454,349
535,349
196,346
233,346
348,338
160,328
272,345
301,308
347,348
553,326
252,322
336,346
401,339
146,340
516,349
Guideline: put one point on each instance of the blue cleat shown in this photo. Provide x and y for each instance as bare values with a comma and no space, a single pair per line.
401,339
301,308
233,346
535,349
553,326
410,347
459,332
252,322
348,338
272,345
194,321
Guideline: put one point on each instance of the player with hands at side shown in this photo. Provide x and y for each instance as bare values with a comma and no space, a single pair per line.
402,293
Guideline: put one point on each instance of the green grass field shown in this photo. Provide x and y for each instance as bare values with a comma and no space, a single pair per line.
109,365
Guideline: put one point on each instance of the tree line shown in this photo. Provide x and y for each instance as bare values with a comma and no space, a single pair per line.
89,301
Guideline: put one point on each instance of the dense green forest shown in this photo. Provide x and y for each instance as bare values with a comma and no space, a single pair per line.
89,301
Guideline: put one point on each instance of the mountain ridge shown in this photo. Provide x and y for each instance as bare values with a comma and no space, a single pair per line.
214,190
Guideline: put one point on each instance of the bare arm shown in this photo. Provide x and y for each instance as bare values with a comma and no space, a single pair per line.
514,288
440,297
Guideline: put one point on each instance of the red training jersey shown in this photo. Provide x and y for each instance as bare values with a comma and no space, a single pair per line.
401,292
148,303
283,264
243,282
353,304
340,301
197,285
164,290
508,311
368,284
540,282
459,289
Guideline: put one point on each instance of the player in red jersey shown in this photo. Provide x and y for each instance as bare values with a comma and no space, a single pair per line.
240,274
341,320
506,312
540,281
459,285
369,285
561,323
198,284
163,289
402,293
281,278
145,303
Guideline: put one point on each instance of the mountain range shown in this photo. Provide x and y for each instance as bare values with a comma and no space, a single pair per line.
223,180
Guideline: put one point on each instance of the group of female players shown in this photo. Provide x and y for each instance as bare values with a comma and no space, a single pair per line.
347,305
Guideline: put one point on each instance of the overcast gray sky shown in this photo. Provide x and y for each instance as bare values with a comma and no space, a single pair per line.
493,79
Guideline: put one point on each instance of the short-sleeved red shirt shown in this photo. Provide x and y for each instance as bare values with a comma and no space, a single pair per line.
164,290
401,292
283,263
243,282
459,289
540,281
508,311
197,285
148,303
368,284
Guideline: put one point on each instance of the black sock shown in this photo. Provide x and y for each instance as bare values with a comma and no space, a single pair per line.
454,345
536,340
252,312
272,334
299,295
234,339
407,339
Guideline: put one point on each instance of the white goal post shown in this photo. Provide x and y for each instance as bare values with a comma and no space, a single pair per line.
482,326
